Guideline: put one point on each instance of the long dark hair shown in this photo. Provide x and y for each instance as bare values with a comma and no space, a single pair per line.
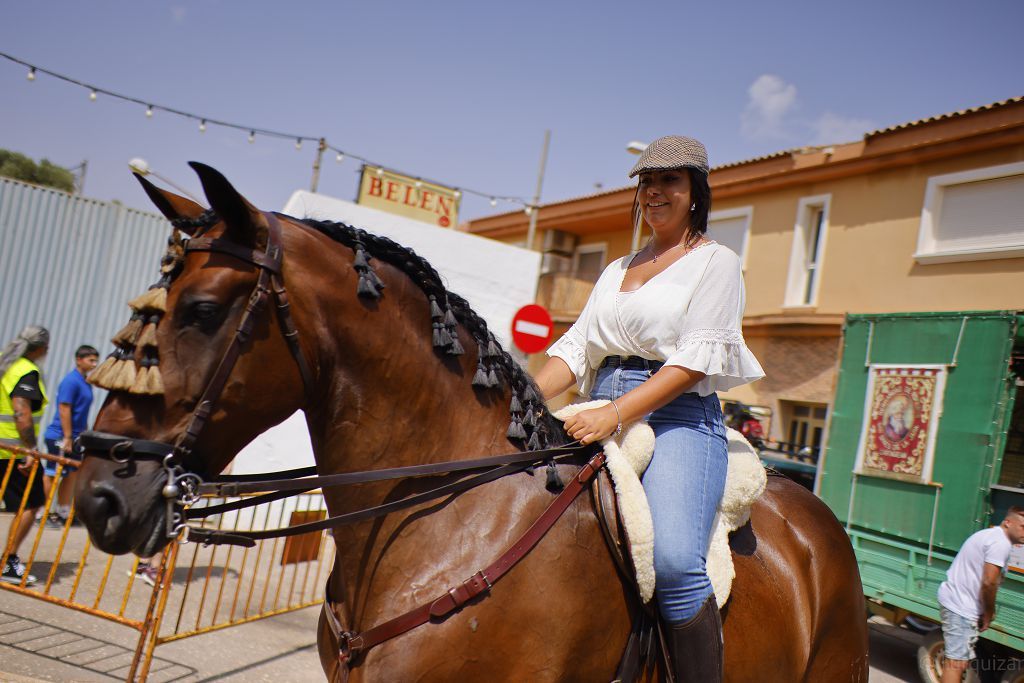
700,195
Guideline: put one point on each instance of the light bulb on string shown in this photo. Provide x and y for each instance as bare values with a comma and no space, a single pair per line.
298,143
457,193
340,158
31,74
419,184
380,171
202,126
149,111
494,202
528,210
252,136
92,95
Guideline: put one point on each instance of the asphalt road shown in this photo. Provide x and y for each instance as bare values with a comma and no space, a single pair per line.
276,649
893,653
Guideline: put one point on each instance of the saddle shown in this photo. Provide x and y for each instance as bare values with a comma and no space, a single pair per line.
625,519
627,457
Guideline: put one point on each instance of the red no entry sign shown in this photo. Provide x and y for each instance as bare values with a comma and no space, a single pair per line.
531,328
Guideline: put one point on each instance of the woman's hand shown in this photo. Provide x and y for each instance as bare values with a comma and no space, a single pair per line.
592,425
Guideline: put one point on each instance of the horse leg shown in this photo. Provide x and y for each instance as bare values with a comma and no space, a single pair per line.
797,607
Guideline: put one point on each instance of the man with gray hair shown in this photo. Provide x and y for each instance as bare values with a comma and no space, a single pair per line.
22,399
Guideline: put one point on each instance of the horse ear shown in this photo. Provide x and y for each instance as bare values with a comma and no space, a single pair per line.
172,206
245,223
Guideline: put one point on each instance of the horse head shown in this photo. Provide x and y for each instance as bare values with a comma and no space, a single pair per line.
217,352
193,314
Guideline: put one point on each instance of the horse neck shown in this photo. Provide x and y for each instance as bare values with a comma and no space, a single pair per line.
391,399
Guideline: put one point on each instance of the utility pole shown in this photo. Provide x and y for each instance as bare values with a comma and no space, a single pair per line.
81,176
320,147
535,206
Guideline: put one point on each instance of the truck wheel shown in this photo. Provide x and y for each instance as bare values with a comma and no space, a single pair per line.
929,660
1014,672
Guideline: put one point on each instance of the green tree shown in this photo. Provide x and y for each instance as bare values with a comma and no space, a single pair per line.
20,167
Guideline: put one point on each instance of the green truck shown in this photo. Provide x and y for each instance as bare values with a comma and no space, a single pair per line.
925,446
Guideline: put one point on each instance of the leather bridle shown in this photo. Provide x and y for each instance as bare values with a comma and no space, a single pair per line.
184,487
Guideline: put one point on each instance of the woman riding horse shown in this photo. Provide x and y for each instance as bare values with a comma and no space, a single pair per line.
393,370
660,334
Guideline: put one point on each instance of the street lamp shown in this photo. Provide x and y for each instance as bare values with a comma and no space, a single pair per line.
141,166
636,147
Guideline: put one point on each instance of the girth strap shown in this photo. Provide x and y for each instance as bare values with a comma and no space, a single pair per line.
351,645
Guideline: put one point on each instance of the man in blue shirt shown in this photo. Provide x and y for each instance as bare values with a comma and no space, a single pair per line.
74,398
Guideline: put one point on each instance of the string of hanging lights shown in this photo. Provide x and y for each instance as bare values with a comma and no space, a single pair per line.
204,122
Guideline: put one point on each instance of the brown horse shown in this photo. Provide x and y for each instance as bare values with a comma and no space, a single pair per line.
386,392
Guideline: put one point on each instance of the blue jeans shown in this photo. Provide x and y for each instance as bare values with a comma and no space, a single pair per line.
49,466
959,633
684,485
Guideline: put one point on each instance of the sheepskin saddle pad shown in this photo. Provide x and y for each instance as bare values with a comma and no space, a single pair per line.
628,455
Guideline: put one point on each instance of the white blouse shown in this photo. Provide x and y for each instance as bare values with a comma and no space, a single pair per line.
689,314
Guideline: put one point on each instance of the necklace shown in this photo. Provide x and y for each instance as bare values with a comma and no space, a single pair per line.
689,248
657,256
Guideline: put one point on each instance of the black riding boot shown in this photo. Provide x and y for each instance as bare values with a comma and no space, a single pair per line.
695,646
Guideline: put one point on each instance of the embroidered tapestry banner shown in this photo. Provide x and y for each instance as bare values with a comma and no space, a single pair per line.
901,417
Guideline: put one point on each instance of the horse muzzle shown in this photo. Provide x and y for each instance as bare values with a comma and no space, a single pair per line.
122,505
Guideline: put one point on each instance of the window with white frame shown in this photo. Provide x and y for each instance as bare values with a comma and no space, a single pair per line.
972,215
809,234
731,227
588,260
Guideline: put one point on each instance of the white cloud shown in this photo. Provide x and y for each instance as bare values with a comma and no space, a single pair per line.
830,128
771,101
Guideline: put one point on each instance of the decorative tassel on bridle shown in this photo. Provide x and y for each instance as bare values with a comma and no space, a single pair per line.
121,371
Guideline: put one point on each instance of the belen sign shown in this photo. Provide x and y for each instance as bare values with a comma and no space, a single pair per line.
409,197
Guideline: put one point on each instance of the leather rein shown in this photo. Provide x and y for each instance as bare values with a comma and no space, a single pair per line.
184,488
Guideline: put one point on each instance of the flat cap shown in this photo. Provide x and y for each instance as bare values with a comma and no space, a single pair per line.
672,151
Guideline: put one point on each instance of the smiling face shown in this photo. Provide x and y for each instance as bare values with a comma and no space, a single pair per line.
664,198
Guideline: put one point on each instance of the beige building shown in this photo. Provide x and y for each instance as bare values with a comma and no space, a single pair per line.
924,216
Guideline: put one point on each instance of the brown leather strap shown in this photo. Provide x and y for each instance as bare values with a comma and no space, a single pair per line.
351,645
267,261
284,314
291,334
257,301
296,480
212,536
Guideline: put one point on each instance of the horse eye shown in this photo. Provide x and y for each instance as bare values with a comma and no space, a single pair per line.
204,312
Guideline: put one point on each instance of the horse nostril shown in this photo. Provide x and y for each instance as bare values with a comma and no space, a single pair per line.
104,505
103,510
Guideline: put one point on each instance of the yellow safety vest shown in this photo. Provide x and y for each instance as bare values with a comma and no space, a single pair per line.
8,430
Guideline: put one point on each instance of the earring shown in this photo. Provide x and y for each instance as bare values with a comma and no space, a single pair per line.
693,207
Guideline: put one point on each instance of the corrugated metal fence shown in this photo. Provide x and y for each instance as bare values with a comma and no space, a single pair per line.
72,264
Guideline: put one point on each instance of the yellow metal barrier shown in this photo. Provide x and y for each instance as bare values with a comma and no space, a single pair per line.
200,589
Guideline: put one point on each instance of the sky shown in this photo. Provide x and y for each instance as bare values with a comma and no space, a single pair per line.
462,92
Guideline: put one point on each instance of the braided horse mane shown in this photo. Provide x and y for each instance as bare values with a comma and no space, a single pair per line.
531,426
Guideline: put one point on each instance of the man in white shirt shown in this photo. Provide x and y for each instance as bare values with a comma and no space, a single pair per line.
968,595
